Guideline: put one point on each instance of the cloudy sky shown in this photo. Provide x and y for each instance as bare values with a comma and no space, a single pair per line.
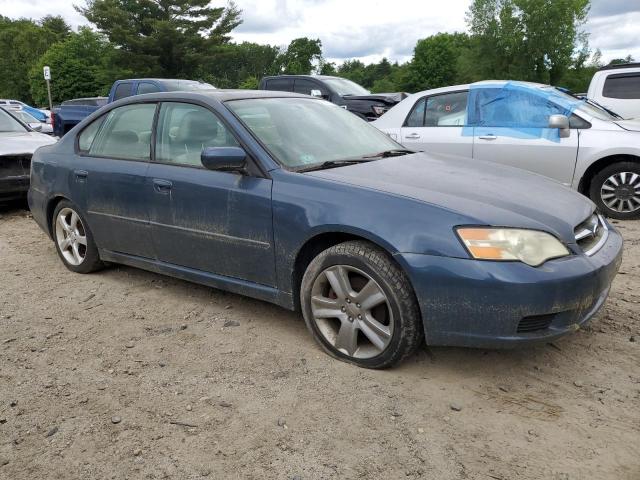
371,29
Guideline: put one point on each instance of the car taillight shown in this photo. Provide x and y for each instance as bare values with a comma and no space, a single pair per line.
52,120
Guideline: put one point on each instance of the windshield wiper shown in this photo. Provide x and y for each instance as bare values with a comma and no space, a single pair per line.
390,153
596,104
334,163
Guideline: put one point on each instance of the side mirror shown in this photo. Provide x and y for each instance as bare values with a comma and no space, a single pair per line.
36,127
316,93
561,122
223,158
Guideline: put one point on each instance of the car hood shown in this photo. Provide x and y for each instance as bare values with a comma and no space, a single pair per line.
482,192
631,124
23,142
379,97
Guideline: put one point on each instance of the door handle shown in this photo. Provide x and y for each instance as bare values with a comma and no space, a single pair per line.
81,175
412,136
487,137
162,186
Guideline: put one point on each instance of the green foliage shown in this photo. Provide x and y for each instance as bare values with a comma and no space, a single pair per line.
163,38
81,66
301,56
435,61
22,42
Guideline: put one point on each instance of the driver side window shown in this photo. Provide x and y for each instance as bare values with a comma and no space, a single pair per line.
184,130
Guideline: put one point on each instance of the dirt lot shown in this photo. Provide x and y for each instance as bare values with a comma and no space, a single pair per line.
128,374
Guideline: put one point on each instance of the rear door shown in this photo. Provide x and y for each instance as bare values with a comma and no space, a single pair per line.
512,129
212,221
436,124
111,169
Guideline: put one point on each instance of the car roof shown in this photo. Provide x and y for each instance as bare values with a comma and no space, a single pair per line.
620,66
215,94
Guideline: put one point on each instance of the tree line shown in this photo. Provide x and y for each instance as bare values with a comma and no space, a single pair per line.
534,40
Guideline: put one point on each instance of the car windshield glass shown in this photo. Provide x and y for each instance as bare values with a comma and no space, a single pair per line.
187,85
25,117
9,124
343,87
304,132
585,107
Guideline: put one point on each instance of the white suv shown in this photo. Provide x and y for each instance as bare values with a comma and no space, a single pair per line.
617,87
531,126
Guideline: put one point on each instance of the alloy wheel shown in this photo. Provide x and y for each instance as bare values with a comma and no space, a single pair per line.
351,311
621,192
71,236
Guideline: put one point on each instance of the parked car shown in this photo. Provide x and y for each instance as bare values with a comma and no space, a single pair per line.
70,112
17,144
293,200
39,114
617,87
531,126
342,92
33,123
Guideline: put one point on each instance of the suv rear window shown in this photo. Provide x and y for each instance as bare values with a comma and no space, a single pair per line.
622,85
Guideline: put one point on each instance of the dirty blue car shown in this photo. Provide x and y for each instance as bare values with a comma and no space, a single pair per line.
292,200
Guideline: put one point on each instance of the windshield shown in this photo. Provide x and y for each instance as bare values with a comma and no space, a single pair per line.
9,124
25,117
301,132
187,85
587,108
343,87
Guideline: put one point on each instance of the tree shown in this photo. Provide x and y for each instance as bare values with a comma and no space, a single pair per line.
22,42
168,38
523,39
435,61
621,61
81,66
301,56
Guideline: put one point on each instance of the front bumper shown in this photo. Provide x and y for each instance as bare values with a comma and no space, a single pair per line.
473,303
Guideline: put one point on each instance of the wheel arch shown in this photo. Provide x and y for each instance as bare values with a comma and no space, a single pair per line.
322,240
51,207
598,165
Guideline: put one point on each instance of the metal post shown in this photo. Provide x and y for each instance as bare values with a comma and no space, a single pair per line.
49,93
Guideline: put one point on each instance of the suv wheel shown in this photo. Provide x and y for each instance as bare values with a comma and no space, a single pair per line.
360,307
616,190
73,239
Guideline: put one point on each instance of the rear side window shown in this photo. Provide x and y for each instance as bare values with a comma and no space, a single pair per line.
126,133
122,90
146,87
622,85
280,84
85,140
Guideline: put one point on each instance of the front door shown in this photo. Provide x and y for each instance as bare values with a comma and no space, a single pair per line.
112,169
216,222
511,128
437,125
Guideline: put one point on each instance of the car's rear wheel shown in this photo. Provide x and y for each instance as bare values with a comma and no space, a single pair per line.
360,306
73,239
616,190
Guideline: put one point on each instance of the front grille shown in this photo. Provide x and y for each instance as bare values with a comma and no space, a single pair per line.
535,323
591,234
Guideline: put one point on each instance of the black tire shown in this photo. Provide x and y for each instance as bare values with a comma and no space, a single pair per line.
91,258
407,334
595,190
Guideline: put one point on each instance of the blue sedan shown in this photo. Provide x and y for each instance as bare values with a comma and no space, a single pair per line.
293,200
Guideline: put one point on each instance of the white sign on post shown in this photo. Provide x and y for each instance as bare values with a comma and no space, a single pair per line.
47,73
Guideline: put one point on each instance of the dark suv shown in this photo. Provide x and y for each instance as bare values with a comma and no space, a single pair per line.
340,91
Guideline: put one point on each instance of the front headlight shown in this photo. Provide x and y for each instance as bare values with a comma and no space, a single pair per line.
379,109
529,246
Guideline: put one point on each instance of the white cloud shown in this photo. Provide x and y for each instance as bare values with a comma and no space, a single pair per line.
370,29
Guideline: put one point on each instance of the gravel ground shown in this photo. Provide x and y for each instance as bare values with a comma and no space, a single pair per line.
128,374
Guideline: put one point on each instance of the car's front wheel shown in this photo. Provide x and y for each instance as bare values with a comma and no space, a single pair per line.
73,239
616,190
360,307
